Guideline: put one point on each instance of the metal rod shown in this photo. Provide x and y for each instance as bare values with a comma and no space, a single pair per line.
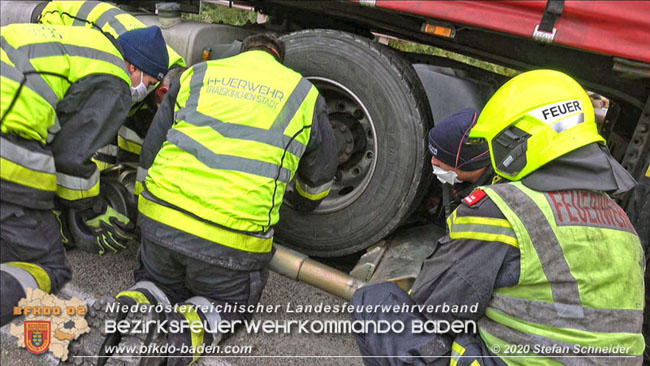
299,267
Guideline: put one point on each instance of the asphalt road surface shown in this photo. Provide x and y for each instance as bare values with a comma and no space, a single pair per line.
95,277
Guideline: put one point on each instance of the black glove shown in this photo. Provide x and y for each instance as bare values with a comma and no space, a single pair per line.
113,230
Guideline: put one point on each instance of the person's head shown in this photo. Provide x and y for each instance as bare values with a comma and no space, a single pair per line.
452,158
146,58
535,118
266,42
173,75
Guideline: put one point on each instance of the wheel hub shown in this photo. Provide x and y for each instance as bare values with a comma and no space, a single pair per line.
343,136
356,144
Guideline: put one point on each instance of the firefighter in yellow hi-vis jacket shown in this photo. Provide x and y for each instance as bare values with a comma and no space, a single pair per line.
222,149
546,265
114,21
65,93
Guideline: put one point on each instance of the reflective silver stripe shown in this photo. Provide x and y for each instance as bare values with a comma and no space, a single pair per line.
109,150
34,80
487,229
83,12
242,132
12,73
141,174
33,160
569,122
563,285
25,279
48,49
153,290
77,183
227,162
212,317
109,17
54,129
292,105
316,190
595,320
130,135
273,137
196,84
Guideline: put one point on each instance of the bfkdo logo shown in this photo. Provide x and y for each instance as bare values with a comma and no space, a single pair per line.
37,335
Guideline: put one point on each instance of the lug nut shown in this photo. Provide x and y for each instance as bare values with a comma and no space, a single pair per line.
348,150
343,128
357,114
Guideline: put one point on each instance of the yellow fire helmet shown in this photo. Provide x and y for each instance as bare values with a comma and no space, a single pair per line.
533,119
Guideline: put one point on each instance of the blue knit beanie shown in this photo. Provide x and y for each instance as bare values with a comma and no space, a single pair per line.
450,134
146,49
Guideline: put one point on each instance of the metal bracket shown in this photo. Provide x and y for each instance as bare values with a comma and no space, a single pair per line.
545,30
542,36
639,144
405,253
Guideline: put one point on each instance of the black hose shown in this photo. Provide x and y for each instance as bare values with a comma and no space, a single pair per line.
446,198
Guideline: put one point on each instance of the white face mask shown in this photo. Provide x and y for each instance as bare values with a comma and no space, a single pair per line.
446,176
139,92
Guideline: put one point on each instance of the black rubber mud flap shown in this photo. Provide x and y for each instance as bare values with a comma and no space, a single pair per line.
384,135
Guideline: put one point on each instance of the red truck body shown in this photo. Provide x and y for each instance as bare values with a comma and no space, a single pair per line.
618,28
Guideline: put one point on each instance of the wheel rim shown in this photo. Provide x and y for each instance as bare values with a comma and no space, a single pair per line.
356,142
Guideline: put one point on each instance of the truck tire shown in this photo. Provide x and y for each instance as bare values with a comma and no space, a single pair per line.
380,115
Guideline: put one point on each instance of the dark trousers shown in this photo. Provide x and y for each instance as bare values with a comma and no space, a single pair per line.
181,277
407,347
31,236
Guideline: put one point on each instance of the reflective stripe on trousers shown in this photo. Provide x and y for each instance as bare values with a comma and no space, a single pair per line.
29,275
213,318
151,287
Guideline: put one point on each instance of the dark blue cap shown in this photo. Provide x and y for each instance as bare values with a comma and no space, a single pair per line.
146,49
450,134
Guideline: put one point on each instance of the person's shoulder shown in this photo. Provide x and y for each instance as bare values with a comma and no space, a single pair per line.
479,218
479,204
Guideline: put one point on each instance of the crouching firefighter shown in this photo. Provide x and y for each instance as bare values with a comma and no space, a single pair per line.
460,167
114,21
214,188
65,93
545,269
